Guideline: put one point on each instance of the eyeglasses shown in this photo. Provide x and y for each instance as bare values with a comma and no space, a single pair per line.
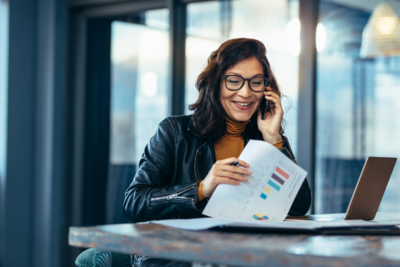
235,83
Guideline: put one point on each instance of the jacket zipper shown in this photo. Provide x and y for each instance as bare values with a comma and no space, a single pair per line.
176,195
195,162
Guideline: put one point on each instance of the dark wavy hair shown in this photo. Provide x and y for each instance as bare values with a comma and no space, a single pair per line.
209,116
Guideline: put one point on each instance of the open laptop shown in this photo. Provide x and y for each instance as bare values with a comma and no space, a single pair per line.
367,195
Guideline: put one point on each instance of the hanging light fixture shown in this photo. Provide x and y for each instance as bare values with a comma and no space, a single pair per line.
381,35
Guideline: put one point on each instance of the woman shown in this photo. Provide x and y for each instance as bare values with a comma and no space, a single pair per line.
190,155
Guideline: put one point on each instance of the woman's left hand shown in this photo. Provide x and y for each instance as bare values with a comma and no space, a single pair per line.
270,126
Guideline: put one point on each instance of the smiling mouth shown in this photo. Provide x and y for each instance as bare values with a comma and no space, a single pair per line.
243,104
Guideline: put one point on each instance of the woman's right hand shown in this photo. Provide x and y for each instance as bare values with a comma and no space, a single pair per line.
224,173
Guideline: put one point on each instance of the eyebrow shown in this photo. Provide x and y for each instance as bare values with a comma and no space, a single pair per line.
234,73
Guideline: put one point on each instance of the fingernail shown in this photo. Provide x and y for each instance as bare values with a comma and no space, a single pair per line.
248,171
246,178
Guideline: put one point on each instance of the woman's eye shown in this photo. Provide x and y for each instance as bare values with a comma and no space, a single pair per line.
256,83
235,82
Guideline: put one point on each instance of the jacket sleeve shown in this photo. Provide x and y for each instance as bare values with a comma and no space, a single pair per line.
149,197
302,202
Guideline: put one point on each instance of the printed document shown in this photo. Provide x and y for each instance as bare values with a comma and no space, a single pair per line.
269,192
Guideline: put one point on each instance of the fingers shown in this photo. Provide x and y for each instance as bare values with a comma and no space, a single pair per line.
230,175
274,99
224,173
272,95
269,89
223,165
274,103
269,92
231,160
232,169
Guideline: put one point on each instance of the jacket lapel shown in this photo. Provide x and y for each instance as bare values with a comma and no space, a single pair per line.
204,160
205,155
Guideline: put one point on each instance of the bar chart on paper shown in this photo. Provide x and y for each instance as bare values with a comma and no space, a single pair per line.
275,182
269,192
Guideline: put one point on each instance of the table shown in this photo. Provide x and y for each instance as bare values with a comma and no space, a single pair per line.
244,249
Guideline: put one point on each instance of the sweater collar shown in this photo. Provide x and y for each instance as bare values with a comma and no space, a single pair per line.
235,128
232,127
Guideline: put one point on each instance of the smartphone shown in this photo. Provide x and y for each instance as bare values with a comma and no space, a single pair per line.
263,107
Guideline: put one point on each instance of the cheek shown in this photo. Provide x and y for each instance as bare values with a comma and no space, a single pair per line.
221,92
259,98
223,98
225,93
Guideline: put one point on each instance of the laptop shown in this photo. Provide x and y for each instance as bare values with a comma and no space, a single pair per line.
367,195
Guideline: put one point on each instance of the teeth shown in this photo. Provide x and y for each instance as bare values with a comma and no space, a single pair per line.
243,104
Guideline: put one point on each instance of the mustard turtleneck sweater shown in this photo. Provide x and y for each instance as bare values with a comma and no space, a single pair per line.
230,145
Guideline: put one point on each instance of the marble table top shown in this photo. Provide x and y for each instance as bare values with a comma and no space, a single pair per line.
245,248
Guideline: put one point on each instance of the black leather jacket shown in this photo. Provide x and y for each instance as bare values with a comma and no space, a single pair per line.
174,161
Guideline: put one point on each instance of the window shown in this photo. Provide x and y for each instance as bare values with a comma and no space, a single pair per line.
3,82
358,101
139,97
275,23
138,84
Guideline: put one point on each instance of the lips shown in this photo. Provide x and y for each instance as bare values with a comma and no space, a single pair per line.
243,105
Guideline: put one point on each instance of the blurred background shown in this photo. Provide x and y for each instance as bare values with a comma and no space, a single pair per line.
84,84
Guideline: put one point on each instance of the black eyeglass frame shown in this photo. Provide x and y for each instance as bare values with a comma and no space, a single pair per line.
266,82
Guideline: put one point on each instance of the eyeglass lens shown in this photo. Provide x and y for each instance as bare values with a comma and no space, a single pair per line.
236,82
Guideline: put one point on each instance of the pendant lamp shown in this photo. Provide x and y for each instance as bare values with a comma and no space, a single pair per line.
381,35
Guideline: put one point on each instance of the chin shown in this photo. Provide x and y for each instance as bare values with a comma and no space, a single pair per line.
241,117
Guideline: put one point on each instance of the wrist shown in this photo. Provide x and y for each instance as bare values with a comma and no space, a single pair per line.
200,193
272,139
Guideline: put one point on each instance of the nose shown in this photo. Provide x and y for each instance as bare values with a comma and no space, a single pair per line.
245,91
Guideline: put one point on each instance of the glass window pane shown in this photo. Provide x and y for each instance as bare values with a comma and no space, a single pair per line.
212,23
139,84
139,81
157,19
357,99
3,82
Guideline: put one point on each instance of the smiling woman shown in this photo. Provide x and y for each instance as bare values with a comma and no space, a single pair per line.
189,156
231,88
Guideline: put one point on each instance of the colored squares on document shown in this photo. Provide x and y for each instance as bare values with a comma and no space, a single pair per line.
281,172
279,177
274,185
267,190
261,217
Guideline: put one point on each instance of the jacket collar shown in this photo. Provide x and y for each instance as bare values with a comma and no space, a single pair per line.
191,128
